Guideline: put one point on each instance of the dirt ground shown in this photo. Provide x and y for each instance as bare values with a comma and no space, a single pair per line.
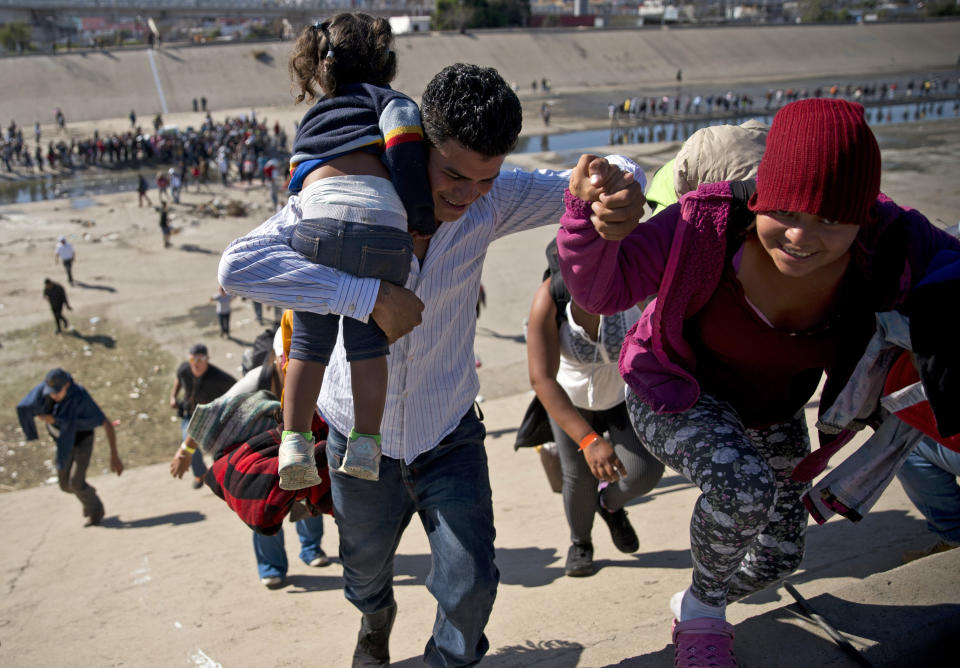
169,579
138,307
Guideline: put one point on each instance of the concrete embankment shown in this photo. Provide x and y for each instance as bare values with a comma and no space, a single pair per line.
169,580
94,85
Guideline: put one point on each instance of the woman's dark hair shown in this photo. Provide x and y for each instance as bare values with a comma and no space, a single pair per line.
350,47
474,106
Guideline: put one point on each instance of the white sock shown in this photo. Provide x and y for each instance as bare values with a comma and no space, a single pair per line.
685,605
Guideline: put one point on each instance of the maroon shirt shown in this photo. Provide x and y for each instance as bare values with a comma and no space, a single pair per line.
767,374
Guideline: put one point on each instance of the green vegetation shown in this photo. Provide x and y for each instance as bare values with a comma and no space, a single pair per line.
127,374
941,8
15,36
262,31
464,14
821,11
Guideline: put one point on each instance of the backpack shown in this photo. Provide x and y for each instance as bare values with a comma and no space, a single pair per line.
255,355
535,426
558,289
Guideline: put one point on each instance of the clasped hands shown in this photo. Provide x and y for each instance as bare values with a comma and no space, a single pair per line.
616,199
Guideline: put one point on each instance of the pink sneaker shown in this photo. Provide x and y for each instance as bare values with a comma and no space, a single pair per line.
703,643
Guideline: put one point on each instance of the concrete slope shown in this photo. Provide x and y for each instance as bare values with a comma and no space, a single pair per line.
169,579
904,617
108,84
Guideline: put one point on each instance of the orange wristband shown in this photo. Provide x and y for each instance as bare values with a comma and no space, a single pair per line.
588,440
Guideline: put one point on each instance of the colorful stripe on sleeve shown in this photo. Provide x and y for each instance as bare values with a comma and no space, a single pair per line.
404,134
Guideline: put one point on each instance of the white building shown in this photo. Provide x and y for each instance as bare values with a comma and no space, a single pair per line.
408,24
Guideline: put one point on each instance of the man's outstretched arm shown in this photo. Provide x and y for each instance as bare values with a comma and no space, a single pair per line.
263,267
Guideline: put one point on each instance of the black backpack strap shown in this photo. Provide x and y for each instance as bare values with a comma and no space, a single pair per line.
558,289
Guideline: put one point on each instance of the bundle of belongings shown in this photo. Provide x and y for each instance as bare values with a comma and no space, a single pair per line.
906,386
242,434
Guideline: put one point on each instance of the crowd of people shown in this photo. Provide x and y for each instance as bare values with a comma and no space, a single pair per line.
236,147
691,340
734,102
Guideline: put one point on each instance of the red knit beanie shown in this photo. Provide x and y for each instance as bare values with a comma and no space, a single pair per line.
822,159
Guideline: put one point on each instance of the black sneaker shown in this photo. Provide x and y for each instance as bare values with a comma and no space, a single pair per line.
623,535
579,560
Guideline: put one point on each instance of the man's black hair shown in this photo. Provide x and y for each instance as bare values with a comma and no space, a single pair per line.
474,106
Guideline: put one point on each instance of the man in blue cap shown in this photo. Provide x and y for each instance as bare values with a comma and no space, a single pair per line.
71,416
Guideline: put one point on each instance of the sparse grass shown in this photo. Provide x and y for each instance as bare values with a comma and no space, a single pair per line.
127,374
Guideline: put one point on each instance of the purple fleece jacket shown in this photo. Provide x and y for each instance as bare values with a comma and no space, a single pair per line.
679,256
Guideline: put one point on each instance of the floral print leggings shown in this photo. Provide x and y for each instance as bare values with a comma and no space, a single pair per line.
749,524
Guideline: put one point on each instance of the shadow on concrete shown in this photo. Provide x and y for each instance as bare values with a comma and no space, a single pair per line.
552,653
538,567
193,248
884,626
668,485
658,559
202,316
168,54
411,569
242,342
104,340
497,433
841,548
528,566
306,584
94,286
486,331
185,517
661,659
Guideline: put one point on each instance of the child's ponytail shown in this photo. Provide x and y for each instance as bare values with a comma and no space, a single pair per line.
305,62
349,47
384,58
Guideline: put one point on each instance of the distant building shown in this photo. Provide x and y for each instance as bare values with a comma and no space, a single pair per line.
407,24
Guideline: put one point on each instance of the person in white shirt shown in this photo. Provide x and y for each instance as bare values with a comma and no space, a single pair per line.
573,356
222,301
64,253
434,463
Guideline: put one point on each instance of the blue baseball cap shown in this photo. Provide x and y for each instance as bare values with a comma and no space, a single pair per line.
55,380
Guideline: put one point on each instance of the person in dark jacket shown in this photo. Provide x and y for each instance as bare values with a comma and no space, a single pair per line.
71,416
57,296
239,430
201,383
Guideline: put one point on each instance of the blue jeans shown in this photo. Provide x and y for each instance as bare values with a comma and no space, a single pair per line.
929,477
374,251
271,555
197,465
314,336
449,488
364,250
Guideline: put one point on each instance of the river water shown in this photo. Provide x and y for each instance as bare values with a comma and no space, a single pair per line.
85,183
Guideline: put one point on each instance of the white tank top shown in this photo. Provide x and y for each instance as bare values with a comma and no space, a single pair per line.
589,370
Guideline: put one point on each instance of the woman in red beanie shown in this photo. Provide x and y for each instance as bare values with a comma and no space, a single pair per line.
757,294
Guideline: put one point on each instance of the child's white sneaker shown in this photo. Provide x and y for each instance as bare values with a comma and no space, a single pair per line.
296,463
361,458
